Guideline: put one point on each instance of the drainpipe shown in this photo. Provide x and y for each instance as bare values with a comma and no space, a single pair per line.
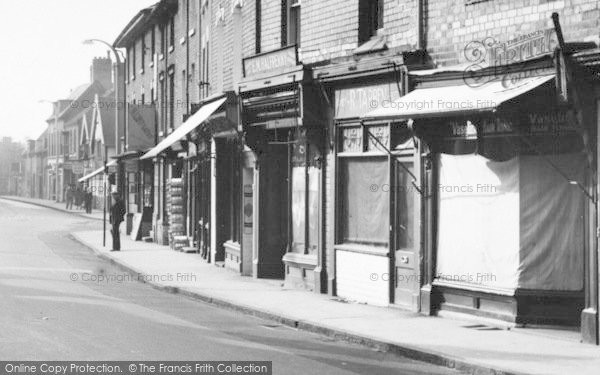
187,57
420,25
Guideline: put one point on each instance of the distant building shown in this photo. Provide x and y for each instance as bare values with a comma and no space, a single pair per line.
10,166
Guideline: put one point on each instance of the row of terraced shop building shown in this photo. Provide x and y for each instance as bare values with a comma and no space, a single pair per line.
438,156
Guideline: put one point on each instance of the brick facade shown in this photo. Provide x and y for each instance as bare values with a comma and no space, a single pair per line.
451,25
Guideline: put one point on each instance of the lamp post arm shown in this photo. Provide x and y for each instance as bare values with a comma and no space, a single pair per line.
112,49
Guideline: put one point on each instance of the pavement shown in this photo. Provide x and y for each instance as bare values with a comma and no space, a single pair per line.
450,342
96,214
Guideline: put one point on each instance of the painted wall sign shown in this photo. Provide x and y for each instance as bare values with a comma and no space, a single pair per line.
271,61
524,47
356,101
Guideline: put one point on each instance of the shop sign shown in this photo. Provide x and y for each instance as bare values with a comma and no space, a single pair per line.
356,101
551,122
286,122
271,61
532,123
78,168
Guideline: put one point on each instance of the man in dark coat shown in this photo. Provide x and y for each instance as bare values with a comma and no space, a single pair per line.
88,200
117,211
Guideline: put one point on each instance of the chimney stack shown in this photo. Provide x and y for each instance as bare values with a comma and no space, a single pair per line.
101,71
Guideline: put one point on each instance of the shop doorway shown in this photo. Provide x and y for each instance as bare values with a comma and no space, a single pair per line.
274,207
405,234
247,213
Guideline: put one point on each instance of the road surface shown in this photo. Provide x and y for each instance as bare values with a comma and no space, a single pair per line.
44,315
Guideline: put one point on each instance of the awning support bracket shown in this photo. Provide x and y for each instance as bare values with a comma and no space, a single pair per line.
387,150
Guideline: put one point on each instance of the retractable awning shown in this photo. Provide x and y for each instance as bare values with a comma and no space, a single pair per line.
97,171
192,122
455,99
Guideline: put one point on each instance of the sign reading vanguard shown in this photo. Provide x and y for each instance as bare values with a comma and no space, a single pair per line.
550,122
273,61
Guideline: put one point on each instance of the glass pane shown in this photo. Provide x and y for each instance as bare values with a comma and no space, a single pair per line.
314,175
351,139
298,209
404,207
365,201
382,134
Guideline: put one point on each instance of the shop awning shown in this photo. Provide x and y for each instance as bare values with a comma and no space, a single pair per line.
455,99
190,124
97,171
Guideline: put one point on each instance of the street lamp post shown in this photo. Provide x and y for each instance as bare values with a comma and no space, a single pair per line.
119,122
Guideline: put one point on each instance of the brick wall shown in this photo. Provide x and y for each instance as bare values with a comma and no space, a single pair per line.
330,28
271,25
452,24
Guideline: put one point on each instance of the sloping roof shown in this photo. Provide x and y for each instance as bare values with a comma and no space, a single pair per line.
141,21
78,98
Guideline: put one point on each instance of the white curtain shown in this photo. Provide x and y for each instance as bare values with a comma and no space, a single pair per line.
511,224
478,232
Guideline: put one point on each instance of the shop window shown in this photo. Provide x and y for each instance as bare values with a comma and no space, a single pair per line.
370,19
404,206
364,214
305,186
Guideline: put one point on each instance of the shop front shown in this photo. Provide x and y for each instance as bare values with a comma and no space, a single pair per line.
282,176
171,159
507,202
217,197
375,194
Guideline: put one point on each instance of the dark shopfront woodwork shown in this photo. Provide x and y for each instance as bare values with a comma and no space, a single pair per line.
378,208
282,126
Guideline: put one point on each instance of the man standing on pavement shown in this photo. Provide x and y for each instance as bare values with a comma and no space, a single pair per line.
117,211
69,197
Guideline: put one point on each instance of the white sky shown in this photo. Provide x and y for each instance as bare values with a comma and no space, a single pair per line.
43,57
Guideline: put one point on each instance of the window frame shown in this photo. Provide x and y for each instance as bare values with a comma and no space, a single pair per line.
371,19
364,152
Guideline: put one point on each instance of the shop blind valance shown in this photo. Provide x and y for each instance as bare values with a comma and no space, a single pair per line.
456,99
96,172
190,124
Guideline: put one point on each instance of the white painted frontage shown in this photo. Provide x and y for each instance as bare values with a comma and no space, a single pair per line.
362,277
